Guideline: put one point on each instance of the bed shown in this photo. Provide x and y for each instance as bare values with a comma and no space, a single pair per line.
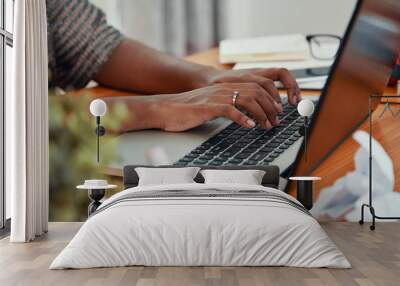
198,224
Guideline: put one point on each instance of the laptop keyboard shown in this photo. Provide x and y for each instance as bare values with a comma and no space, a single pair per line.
236,145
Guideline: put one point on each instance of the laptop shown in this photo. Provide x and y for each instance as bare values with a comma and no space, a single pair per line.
364,63
363,67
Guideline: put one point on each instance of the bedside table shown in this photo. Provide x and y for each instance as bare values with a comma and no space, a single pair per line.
96,190
305,188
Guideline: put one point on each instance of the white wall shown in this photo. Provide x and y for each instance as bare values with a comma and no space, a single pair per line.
244,18
110,7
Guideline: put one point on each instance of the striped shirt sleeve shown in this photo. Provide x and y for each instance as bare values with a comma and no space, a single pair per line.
80,42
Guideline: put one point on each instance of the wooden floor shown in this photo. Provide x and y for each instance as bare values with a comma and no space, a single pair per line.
375,257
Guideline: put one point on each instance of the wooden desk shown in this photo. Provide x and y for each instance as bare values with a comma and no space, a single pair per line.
386,131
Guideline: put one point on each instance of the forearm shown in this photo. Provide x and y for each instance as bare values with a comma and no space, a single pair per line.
138,68
142,112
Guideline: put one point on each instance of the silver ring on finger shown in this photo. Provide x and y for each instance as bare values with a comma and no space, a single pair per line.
235,97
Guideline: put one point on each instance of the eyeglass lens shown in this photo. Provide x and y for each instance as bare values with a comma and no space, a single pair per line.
324,47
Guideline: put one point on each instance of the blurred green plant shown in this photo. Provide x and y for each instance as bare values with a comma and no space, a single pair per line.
72,151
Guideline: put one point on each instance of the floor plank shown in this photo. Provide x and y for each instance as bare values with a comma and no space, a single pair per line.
375,257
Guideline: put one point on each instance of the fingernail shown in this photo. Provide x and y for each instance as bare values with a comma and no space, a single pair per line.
277,121
250,123
278,106
268,124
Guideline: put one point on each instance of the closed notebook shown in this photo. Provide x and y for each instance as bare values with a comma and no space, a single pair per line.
270,48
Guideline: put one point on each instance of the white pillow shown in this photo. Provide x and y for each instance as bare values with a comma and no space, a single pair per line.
166,176
247,177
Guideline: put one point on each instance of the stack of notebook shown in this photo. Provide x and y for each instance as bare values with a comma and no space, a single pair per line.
272,48
286,51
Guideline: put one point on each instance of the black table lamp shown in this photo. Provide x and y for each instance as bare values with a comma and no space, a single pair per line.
305,184
305,108
98,108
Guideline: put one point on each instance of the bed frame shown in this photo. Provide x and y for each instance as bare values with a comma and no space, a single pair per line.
270,179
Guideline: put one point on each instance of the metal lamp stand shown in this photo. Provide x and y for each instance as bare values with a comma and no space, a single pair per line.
370,203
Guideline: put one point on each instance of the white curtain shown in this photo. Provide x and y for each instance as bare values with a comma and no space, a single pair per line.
27,124
178,27
182,27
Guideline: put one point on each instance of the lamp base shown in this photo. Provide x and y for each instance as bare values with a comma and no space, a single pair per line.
374,216
305,193
305,189
95,195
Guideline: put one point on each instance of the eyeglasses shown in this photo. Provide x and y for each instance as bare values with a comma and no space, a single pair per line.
323,46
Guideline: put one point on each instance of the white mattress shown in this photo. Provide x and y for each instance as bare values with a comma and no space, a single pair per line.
202,231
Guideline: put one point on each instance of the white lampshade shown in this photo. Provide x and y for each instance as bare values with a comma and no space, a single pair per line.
98,107
305,107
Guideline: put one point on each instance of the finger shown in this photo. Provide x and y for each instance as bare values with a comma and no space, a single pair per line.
255,109
271,92
235,115
253,94
261,81
269,87
288,81
268,105
252,86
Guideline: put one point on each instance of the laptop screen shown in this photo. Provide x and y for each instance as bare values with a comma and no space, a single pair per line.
363,67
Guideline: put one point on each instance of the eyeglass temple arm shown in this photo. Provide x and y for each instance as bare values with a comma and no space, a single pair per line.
310,37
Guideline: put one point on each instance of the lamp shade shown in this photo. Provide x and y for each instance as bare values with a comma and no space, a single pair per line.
98,107
305,107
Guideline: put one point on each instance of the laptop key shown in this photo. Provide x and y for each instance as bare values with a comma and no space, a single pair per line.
245,140
243,155
252,148
225,144
292,128
235,161
258,132
239,145
266,149
235,136
241,132
206,157
285,145
230,140
226,154
200,161
259,156
273,144
262,140
251,136
274,155
218,160
268,160
287,132
279,140
250,162
218,148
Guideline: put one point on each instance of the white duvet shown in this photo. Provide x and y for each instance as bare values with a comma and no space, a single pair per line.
200,231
